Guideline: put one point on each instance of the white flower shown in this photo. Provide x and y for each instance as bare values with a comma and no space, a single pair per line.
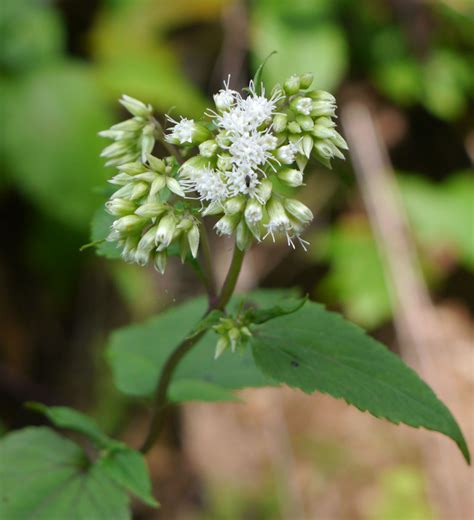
209,183
287,154
304,105
182,131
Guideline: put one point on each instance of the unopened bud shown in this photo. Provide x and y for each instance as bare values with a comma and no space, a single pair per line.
157,165
298,210
279,122
166,229
135,107
227,224
234,205
290,176
150,210
208,148
292,85
193,239
174,186
161,259
243,236
128,223
306,80
120,207
294,127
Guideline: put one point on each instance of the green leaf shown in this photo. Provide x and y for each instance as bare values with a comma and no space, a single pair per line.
288,306
128,468
52,148
356,278
197,390
100,228
306,37
45,476
314,349
257,79
137,353
65,417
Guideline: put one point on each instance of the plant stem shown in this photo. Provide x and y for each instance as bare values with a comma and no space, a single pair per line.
210,281
161,399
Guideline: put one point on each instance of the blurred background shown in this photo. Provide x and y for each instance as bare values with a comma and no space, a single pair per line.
392,244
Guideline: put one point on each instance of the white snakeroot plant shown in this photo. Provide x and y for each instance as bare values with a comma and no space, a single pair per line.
245,149
241,165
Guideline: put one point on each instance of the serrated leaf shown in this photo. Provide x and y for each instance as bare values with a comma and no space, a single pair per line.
128,468
71,419
45,476
137,353
314,349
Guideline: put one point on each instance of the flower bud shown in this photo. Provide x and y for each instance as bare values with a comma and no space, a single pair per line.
278,219
208,148
224,99
298,210
290,176
322,108
279,122
174,186
161,259
264,190
224,162
157,185
150,210
306,80
322,95
286,154
307,145
234,205
227,224
243,237
165,230
193,239
121,179
157,165
120,207
128,223
222,344
292,85
135,107
294,127
215,208
302,105
306,122
253,215
115,149
339,141
132,168
139,189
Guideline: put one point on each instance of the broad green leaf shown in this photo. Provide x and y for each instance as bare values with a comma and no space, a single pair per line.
44,476
314,349
128,468
137,353
51,147
198,390
71,419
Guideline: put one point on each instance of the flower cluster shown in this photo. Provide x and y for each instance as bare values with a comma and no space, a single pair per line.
247,154
233,334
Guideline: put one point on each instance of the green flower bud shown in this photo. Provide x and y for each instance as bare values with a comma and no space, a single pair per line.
128,223
290,176
298,210
224,162
264,190
339,141
151,210
292,85
322,108
227,224
174,186
243,236
306,80
120,207
135,107
156,164
234,205
193,239
279,122
306,122
139,189
302,105
307,145
133,168
161,259
165,231
222,344
322,95
157,185
208,148
294,127
214,208
253,215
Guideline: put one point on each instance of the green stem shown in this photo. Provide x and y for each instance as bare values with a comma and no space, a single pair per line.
161,397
